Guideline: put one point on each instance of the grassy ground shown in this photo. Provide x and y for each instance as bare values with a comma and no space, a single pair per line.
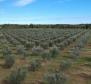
79,72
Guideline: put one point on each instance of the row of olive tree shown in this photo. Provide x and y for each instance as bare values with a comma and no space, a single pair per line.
84,26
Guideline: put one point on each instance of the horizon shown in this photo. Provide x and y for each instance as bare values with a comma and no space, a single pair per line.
45,12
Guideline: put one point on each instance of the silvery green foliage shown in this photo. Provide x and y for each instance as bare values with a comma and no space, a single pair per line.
83,40
34,65
75,53
81,43
9,61
40,35
37,50
6,51
65,65
29,45
54,51
54,78
2,39
22,51
46,55
50,43
16,76
44,45
1,36
8,57
61,46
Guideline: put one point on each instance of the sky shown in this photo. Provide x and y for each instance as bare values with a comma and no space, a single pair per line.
45,11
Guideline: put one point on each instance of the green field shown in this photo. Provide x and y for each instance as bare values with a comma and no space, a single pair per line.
45,56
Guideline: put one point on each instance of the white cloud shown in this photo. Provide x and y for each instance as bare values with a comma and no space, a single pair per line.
23,2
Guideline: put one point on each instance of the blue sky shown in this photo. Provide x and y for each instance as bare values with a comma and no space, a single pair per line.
45,11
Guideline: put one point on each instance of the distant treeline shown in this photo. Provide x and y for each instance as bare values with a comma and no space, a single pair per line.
83,26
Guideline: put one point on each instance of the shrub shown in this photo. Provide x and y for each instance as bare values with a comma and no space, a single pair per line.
50,44
46,55
65,65
9,61
6,51
35,65
16,76
37,43
37,50
62,45
22,52
55,78
29,45
54,51
44,45
75,53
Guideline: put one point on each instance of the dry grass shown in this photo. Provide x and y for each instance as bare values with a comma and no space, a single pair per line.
79,73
